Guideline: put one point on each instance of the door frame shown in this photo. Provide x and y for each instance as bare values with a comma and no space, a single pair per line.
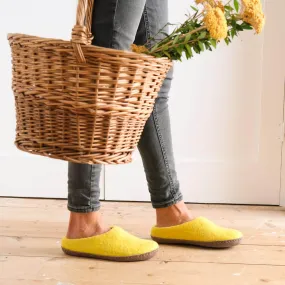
282,169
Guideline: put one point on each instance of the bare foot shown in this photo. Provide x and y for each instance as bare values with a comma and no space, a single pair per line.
82,225
173,215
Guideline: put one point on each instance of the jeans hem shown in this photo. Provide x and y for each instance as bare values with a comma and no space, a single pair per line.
81,209
168,203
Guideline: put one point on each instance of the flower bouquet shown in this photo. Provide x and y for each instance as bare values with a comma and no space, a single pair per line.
205,28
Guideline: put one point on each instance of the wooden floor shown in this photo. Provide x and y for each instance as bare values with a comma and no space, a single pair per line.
30,248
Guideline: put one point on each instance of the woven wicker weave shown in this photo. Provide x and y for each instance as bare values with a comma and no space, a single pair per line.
79,102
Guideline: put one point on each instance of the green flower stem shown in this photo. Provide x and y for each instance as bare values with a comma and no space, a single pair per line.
169,43
176,31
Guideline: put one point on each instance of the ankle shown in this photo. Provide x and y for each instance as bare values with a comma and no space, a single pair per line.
83,225
173,215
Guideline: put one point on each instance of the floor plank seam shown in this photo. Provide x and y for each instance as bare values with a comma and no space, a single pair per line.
59,238
50,258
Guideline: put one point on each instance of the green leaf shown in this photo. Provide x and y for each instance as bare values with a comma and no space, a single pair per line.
196,49
228,8
154,47
158,55
194,8
187,54
189,51
167,54
227,41
236,4
213,43
176,39
207,45
187,38
246,26
201,46
239,27
234,24
179,50
233,32
202,35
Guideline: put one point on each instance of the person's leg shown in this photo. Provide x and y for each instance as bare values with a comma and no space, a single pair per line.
174,221
83,200
114,25
155,144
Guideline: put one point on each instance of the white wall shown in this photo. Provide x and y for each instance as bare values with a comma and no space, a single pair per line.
21,173
35,17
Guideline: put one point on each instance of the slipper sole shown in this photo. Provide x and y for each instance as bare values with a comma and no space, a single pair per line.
214,244
139,257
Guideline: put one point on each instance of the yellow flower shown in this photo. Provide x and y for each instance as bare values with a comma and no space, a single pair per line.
252,14
221,6
138,49
216,23
210,2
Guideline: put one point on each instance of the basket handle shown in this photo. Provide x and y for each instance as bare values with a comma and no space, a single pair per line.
81,32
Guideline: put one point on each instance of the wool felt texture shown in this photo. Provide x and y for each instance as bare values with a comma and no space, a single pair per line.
200,229
114,243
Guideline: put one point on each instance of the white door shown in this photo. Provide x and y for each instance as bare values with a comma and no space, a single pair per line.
227,121
22,174
227,139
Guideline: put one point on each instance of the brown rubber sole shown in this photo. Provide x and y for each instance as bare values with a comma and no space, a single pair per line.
139,257
215,244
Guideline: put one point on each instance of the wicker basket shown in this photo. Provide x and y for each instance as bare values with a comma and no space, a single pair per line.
79,102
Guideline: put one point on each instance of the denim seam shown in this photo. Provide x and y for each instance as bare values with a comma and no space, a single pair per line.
90,185
146,24
83,208
169,202
160,138
113,29
156,124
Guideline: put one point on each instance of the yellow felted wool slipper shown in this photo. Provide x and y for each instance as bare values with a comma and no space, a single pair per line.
200,232
116,245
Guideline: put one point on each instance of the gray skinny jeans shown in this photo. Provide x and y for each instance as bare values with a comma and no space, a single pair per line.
117,24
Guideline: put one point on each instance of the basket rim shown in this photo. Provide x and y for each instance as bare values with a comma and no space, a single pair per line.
19,36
